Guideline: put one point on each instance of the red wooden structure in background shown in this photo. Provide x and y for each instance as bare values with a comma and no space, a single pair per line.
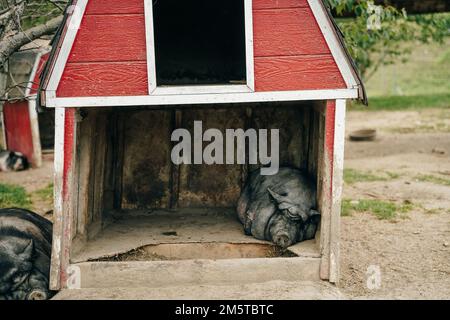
20,119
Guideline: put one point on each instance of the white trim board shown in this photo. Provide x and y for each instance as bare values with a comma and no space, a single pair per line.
174,90
58,182
150,45
153,88
333,43
240,97
33,75
337,185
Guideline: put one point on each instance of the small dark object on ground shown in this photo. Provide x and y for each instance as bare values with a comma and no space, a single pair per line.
363,135
170,233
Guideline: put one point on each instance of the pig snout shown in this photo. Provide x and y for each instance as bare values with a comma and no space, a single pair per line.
37,295
19,165
282,240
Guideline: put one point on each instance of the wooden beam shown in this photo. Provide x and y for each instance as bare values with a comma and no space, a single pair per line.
325,205
337,184
64,194
175,169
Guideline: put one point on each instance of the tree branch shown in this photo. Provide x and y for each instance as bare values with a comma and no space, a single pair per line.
13,43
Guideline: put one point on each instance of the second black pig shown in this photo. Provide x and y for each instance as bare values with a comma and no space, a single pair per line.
12,161
25,249
280,208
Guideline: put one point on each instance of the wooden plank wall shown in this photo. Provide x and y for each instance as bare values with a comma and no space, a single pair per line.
108,57
123,158
290,50
146,159
211,185
146,178
93,173
109,53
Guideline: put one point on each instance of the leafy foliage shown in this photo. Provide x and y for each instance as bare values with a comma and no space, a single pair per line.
377,34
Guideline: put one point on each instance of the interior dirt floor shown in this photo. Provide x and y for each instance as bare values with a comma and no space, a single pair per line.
166,235
132,230
412,251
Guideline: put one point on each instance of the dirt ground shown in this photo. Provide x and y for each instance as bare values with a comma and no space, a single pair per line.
412,251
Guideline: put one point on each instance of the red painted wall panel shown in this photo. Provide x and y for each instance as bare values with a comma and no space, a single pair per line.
18,128
290,51
297,73
39,70
115,7
110,38
69,131
104,79
270,4
287,32
109,54
330,119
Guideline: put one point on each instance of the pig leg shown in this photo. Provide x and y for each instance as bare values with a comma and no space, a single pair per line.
261,215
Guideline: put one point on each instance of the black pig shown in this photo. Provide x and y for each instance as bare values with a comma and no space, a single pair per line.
25,250
279,208
13,161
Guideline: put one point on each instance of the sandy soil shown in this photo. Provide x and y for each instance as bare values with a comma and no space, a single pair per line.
411,252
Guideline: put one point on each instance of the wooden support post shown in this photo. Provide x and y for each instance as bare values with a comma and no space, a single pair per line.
337,184
175,169
245,168
332,172
118,151
65,142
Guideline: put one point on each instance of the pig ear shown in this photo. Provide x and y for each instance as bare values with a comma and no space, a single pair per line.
282,201
313,213
27,250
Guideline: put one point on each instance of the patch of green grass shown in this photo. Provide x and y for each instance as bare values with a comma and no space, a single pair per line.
392,103
384,210
433,179
353,176
393,175
13,196
46,193
425,72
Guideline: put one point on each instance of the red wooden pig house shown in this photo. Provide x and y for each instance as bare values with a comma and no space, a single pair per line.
124,75
21,122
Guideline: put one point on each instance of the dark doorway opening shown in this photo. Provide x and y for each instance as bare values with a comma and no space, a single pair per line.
199,42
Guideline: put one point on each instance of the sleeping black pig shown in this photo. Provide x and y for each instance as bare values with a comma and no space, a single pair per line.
279,208
25,249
